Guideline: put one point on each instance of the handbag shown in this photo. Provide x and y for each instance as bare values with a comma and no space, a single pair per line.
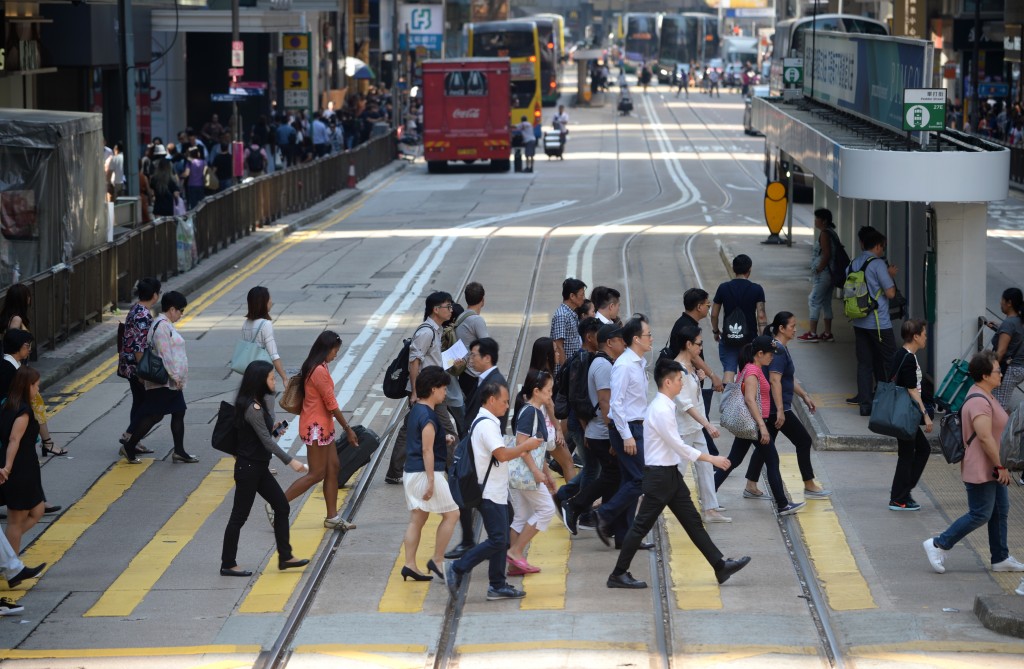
519,475
151,366
735,415
210,180
248,351
951,434
291,398
893,411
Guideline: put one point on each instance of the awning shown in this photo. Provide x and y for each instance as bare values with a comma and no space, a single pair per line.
218,21
859,159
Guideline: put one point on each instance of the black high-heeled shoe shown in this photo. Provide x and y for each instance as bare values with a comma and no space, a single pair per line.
291,564
432,566
416,576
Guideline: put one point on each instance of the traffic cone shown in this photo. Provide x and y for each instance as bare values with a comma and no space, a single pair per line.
351,177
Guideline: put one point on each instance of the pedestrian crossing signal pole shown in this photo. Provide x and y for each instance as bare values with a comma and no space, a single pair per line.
775,206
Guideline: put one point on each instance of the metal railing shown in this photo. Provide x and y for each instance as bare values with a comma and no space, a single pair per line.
70,296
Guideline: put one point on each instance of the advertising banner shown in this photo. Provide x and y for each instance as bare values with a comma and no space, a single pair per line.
425,26
866,74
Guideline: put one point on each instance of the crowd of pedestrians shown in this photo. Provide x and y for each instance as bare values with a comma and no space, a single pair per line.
585,393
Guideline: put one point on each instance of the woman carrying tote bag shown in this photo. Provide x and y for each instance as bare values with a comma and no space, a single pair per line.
914,452
258,332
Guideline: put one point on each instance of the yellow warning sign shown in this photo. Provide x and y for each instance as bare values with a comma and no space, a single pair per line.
296,80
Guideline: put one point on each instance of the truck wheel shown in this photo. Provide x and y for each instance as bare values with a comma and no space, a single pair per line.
437,166
501,165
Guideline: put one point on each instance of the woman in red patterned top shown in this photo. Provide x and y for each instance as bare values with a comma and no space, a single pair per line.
133,342
316,427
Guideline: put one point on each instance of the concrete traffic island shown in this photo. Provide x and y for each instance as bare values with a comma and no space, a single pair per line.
1001,613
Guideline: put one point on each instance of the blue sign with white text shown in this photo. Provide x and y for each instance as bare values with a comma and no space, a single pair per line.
431,42
993,90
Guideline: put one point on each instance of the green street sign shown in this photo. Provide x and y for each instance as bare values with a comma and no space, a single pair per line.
793,72
924,109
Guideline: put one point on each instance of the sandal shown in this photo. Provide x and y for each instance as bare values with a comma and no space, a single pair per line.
50,450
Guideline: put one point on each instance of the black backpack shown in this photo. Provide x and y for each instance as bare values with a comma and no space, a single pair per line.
839,261
255,161
578,391
225,432
736,331
467,491
561,389
396,378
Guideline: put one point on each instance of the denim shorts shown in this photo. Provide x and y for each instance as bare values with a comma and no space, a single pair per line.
729,356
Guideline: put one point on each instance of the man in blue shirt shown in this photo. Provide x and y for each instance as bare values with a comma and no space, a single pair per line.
286,135
874,339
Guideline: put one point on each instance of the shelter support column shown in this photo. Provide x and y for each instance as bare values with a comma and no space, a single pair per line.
960,232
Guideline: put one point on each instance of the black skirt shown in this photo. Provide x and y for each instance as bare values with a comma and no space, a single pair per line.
163,402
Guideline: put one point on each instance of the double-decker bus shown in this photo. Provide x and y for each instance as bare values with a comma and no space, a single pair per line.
791,36
517,41
673,47
548,30
702,40
640,39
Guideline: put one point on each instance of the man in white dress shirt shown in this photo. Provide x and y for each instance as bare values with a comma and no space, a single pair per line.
663,484
628,406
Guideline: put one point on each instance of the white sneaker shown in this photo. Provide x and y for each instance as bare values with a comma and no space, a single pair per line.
713,516
1020,588
1009,564
936,555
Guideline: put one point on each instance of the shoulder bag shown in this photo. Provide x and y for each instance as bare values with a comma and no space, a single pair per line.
519,475
893,411
151,366
735,415
291,398
249,351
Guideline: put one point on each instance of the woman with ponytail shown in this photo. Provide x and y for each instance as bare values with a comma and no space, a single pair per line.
1008,344
781,417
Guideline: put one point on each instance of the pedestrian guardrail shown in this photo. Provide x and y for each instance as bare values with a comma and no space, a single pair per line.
70,296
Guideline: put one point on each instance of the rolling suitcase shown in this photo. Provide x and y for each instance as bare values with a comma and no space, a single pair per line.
354,459
553,144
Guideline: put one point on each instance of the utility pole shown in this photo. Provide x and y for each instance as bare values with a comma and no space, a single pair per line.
975,57
236,123
126,39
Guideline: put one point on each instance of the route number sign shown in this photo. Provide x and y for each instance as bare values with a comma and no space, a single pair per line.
924,109
793,72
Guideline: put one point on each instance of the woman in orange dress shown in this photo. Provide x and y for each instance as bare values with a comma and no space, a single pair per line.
316,428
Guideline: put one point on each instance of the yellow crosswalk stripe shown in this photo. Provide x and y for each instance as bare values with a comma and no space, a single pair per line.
693,580
549,550
274,588
128,591
62,534
408,596
827,547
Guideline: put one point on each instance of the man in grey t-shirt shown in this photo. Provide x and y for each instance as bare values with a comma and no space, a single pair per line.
599,383
470,328
873,336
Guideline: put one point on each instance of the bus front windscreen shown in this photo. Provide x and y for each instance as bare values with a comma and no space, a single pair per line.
673,41
641,36
505,44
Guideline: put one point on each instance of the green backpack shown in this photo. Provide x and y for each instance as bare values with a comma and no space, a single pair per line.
857,299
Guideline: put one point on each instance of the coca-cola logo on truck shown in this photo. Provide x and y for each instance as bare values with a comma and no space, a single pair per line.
466,113
471,83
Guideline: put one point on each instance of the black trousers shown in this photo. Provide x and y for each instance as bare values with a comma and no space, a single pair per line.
253,477
605,485
138,395
769,456
664,487
874,359
796,433
910,463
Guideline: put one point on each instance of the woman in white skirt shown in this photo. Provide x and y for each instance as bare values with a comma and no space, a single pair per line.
687,342
529,479
426,487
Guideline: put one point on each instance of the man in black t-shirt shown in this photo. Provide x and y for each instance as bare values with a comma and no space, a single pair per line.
697,303
742,296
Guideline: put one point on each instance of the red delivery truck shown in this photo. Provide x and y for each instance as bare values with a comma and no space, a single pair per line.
465,112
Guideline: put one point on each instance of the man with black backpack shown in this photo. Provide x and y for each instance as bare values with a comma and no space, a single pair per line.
255,160
742,302
581,409
424,350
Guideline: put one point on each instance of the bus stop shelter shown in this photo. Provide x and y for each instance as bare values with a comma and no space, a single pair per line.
927,192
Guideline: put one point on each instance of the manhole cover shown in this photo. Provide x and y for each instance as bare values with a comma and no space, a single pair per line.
368,294
389,275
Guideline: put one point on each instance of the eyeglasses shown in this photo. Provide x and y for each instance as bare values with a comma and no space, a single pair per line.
445,306
649,334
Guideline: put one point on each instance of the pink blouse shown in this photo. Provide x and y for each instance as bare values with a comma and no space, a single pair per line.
766,396
316,420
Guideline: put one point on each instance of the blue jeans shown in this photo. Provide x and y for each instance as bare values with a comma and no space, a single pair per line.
820,299
591,468
631,471
987,503
494,549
